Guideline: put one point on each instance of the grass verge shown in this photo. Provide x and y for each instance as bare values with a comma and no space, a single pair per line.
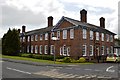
39,60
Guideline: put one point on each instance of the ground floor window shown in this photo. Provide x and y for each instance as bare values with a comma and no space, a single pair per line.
46,49
52,49
40,49
108,50
91,50
31,48
28,49
102,50
84,50
65,51
36,48
61,50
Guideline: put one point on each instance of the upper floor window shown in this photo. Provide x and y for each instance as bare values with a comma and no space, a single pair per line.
71,33
52,35
91,50
111,38
28,39
28,49
58,35
23,39
107,37
84,33
46,49
91,35
46,36
40,49
84,50
41,37
97,35
32,37
52,49
64,34
36,37
102,36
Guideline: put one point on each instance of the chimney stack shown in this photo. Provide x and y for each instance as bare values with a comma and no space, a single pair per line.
23,29
83,15
102,22
19,30
50,21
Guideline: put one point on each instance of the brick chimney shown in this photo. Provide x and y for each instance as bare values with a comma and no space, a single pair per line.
19,30
83,15
23,28
50,21
102,22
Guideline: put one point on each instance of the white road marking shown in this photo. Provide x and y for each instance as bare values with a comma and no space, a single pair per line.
97,70
1,61
88,69
108,69
18,70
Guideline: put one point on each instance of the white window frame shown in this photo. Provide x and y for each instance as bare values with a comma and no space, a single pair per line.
108,52
58,35
68,51
41,37
91,35
64,34
111,38
46,36
36,37
85,46
28,39
52,34
46,49
32,48
32,37
36,48
84,34
61,50
107,37
102,34
91,50
97,36
64,50
40,49
103,50
71,33
24,39
28,48
52,49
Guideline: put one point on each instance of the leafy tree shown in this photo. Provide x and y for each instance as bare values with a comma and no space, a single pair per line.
11,42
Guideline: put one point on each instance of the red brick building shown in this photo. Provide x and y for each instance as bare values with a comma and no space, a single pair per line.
74,38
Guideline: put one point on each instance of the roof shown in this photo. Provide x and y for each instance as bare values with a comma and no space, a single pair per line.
36,31
79,23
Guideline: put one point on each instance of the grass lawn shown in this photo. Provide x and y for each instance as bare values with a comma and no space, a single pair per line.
39,60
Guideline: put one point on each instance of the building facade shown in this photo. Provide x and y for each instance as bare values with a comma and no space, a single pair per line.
74,38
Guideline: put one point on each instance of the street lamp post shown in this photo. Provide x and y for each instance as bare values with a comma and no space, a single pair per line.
54,39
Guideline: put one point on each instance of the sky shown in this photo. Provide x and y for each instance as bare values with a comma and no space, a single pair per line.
33,13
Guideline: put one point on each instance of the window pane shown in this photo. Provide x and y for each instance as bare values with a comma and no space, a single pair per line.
71,33
64,34
84,34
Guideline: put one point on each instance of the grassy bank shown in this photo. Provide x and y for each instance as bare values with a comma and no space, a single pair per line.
39,60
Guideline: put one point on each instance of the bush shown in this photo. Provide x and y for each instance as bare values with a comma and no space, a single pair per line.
67,59
26,55
82,60
59,60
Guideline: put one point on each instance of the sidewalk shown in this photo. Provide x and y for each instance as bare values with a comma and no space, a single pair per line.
38,63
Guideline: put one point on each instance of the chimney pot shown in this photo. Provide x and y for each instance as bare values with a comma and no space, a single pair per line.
50,21
19,30
83,15
23,28
102,22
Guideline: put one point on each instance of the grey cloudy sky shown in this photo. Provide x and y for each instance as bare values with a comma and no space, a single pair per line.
34,13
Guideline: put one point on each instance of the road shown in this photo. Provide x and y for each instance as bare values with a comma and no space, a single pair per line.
101,70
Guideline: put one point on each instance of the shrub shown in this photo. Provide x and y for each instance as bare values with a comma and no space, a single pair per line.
26,55
67,59
59,60
82,60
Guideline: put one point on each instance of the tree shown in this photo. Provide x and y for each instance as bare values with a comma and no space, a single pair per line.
11,42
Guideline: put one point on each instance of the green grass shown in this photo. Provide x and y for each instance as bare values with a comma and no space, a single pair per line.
39,60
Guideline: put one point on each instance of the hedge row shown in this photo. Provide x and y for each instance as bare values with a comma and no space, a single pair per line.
38,56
